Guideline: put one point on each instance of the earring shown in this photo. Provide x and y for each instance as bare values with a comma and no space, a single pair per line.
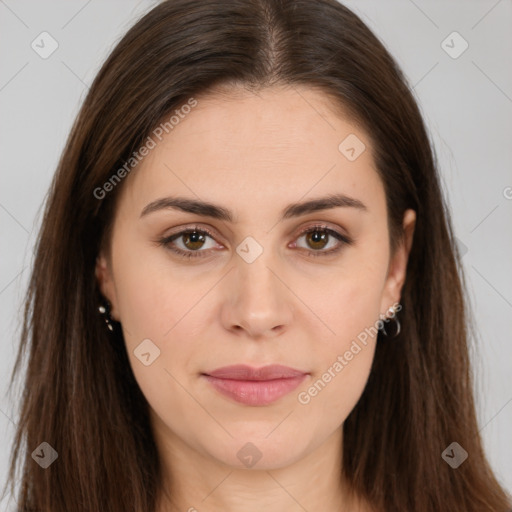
392,312
104,310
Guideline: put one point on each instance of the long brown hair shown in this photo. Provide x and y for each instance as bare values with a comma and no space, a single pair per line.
80,395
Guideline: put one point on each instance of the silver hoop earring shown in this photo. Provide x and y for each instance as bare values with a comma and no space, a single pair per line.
104,310
397,327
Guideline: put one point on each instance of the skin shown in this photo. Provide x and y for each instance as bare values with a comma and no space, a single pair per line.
254,155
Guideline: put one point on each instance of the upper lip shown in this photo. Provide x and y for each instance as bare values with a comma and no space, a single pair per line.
245,372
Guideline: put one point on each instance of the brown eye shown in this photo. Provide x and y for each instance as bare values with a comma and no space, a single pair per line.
189,243
192,243
318,238
193,240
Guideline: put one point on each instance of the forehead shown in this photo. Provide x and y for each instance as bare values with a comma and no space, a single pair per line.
285,122
236,146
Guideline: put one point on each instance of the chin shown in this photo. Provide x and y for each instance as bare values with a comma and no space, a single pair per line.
264,452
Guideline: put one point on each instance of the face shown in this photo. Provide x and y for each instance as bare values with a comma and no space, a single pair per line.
274,284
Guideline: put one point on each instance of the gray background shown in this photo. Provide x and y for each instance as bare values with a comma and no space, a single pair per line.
466,101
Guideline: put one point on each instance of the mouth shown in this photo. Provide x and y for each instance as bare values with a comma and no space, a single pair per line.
255,386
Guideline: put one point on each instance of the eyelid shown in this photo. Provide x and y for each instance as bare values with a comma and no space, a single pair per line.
322,226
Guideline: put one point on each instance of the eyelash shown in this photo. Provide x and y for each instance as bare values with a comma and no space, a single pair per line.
166,241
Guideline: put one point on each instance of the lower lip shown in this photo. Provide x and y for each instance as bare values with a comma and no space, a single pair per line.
255,392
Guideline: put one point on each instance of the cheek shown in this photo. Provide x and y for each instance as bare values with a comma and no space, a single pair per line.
342,365
153,294
164,303
155,304
349,302
344,353
334,392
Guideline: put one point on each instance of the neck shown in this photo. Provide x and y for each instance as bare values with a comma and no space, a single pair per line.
196,482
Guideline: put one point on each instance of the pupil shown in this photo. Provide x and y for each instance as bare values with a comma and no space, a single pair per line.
195,238
318,236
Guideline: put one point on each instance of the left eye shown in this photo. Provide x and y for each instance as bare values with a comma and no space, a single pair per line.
318,237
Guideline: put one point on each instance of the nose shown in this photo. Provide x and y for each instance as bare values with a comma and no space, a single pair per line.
258,299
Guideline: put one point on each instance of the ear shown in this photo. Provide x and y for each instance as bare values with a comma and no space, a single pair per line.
103,272
397,270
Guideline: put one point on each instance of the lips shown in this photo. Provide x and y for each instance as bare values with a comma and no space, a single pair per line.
255,386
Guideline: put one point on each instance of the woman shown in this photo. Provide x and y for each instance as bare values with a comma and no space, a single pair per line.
246,292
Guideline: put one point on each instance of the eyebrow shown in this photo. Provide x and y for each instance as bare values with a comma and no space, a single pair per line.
214,211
